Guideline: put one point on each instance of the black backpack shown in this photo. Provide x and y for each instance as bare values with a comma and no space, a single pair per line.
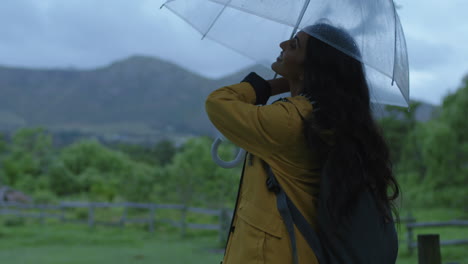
364,239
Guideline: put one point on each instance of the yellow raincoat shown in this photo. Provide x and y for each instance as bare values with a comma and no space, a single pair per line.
275,134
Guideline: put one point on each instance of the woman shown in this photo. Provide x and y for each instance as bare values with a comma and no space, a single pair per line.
325,129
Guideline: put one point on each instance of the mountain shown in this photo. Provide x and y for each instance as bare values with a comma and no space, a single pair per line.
136,99
140,94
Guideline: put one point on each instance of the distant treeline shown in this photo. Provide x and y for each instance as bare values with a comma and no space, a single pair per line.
89,170
430,160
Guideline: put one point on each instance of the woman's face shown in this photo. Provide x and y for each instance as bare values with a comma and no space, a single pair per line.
290,63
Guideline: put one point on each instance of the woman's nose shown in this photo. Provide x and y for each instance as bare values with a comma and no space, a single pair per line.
282,44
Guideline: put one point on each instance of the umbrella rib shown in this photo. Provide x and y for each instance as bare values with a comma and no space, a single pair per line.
254,13
184,19
306,5
216,19
166,3
236,8
395,43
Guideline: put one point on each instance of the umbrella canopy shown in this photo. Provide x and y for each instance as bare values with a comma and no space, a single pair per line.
254,28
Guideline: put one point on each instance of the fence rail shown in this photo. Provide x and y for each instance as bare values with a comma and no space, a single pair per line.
454,223
224,216
59,212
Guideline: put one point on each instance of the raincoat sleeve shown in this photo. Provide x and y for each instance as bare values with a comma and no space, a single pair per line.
260,130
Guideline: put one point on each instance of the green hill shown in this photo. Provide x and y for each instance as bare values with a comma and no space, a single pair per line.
136,99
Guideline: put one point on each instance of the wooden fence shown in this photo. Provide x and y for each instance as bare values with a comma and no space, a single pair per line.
59,212
411,224
454,223
224,217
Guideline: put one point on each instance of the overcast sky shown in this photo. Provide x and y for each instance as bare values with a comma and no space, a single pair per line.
88,34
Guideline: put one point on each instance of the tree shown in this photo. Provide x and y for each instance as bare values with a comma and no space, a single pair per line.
160,154
195,178
27,159
164,152
397,126
3,153
433,167
454,115
101,173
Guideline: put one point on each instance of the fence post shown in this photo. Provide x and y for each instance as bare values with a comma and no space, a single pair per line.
429,249
184,220
62,210
41,214
91,215
151,218
123,219
409,233
223,225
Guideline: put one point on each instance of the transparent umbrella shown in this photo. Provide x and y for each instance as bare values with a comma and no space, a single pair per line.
254,28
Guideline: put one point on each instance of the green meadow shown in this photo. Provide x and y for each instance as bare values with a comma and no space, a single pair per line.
28,241
77,244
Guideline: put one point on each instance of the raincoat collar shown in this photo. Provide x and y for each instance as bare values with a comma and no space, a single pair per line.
303,104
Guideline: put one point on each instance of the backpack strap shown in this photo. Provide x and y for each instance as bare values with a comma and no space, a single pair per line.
291,215
281,203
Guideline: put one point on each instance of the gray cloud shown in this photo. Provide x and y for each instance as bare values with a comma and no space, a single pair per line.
88,34
18,19
424,55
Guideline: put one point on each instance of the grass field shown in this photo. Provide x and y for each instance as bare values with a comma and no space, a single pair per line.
75,244
450,254
25,242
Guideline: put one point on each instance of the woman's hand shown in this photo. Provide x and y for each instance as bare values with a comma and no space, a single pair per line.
279,86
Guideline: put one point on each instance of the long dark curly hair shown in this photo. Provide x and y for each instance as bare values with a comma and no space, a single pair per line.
356,157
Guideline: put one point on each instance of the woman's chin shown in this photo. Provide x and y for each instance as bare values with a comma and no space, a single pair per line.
275,67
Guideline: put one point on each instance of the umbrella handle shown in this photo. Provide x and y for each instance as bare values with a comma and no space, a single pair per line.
219,161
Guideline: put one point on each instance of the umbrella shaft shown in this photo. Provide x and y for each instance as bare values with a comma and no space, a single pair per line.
306,5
